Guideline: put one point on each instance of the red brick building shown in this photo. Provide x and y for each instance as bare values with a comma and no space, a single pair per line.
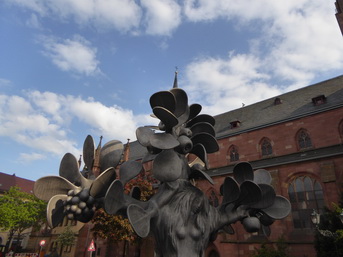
298,138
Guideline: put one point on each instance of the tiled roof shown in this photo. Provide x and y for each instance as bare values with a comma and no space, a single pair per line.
295,104
7,181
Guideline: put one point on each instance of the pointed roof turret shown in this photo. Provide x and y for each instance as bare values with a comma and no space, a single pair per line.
175,80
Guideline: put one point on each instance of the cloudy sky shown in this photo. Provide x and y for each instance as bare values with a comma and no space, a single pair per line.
69,68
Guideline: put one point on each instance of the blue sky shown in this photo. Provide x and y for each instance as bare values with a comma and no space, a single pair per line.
69,68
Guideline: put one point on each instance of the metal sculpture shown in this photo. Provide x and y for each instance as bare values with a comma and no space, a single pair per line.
179,215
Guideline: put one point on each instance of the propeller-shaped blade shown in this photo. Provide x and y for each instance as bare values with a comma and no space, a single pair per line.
230,191
110,154
280,208
250,194
197,172
268,197
55,210
243,172
201,118
163,99
181,101
208,141
200,151
164,141
69,169
128,170
167,166
88,152
166,116
49,186
143,135
194,110
266,230
139,219
114,199
102,182
262,176
203,127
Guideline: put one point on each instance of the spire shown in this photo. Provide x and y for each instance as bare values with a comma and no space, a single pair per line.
126,155
96,164
175,79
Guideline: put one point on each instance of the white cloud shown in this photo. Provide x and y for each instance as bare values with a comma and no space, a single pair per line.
162,16
29,157
75,55
46,122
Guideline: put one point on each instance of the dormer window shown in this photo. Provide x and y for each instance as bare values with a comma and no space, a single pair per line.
318,100
277,101
235,124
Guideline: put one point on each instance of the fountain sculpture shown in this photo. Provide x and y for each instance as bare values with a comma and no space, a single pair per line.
179,215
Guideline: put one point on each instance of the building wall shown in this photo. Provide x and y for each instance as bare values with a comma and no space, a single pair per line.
323,129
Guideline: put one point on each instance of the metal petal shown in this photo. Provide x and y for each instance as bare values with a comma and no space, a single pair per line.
266,230
164,141
202,118
202,127
242,172
139,219
143,135
102,183
128,170
197,172
49,186
114,199
229,229
69,169
208,141
230,190
200,151
194,110
181,101
167,166
110,154
250,194
88,152
55,210
163,99
268,197
280,209
262,176
166,116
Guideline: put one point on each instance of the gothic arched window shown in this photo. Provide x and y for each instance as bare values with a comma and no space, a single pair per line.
233,153
266,147
305,195
304,140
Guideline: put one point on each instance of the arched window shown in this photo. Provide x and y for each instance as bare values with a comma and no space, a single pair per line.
304,140
266,147
305,195
233,153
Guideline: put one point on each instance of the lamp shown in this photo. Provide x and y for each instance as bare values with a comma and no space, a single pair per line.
315,217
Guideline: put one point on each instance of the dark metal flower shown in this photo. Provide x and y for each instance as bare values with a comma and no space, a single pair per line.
73,195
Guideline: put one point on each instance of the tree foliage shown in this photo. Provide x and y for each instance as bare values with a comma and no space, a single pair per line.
332,243
66,238
20,210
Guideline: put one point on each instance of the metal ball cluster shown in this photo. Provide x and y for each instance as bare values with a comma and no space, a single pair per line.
80,204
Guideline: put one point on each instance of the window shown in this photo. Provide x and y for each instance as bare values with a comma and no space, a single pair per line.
304,140
266,147
235,124
305,194
277,101
318,100
233,153
341,129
